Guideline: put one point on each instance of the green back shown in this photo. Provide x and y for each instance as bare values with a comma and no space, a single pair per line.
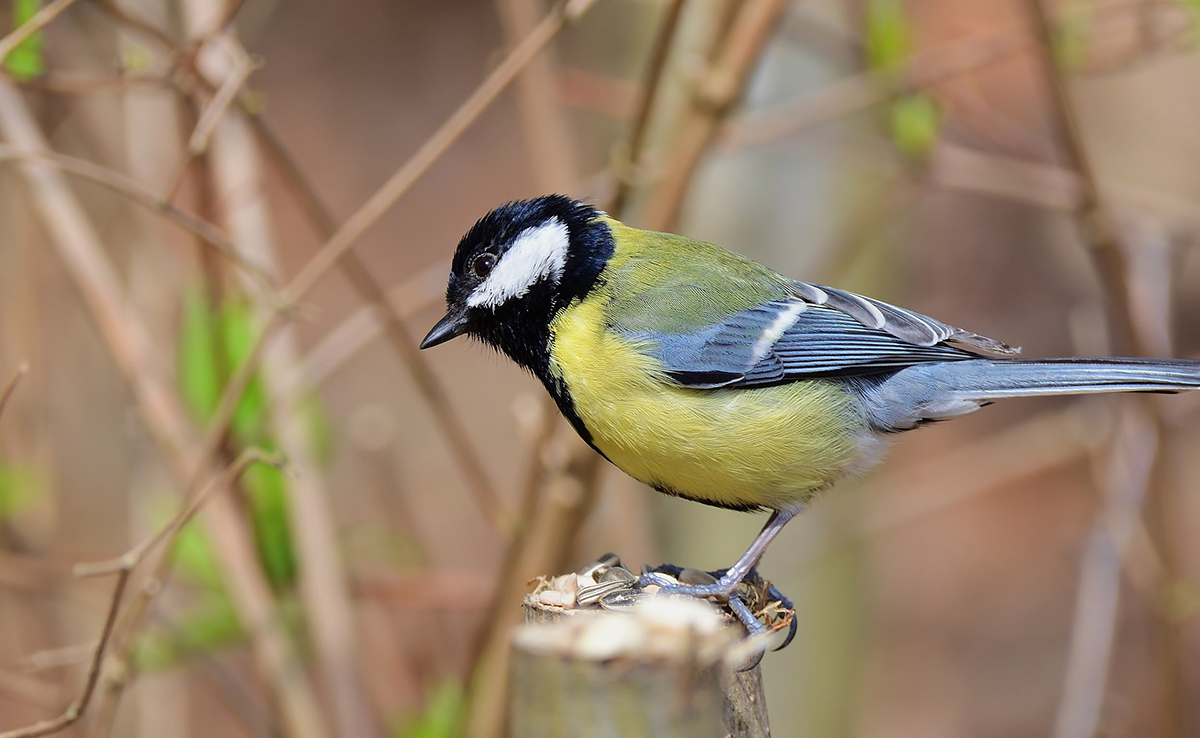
664,283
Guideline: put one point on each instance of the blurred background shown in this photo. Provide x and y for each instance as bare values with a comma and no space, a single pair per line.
224,225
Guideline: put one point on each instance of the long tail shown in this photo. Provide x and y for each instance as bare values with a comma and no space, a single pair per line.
944,390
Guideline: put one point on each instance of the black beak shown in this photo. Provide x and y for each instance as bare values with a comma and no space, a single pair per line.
454,324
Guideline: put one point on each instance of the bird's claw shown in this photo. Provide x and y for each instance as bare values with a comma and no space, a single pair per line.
616,588
723,587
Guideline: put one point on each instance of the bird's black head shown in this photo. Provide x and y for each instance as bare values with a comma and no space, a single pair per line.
516,268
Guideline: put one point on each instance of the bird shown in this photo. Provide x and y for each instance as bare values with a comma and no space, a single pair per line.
708,376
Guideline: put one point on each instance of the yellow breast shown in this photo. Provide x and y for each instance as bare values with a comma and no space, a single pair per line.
772,447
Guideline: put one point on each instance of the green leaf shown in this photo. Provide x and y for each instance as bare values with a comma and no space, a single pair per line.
915,122
443,717
194,557
266,491
238,331
888,35
26,60
22,486
213,343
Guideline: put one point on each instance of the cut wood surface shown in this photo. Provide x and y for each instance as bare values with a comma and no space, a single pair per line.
638,666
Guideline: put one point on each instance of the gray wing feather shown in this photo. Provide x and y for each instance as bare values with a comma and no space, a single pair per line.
907,325
819,331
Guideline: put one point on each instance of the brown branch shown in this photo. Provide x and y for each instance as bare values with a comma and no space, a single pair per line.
234,160
77,708
123,567
37,22
134,556
11,387
1128,476
863,91
1094,219
339,243
229,90
429,153
548,140
396,330
555,499
714,94
1091,641
342,342
629,161
138,193
131,347
68,83
133,23
487,93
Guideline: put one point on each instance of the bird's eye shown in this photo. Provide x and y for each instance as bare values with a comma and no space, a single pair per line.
483,265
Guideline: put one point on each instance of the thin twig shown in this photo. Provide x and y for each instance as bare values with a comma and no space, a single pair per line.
235,163
228,91
67,83
137,25
1129,477
11,387
123,567
1094,219
1084,697
862,91
396,330
437,144
548,139
208,233
37,22
131,347
340,242
714,95
341,343
134,556
629,161
77,708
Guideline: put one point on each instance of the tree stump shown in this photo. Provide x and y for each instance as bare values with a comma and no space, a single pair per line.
634,666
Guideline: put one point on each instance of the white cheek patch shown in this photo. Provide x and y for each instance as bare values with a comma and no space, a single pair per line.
538,253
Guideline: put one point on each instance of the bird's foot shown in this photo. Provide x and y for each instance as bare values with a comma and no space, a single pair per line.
753,601
744,595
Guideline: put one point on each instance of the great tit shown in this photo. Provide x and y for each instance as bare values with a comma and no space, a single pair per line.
708,376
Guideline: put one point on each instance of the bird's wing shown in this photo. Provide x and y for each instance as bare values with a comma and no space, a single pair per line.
813,332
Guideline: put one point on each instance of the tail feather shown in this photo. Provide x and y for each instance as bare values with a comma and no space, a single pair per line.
944,390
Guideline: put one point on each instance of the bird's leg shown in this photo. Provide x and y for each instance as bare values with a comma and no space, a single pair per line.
729,581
